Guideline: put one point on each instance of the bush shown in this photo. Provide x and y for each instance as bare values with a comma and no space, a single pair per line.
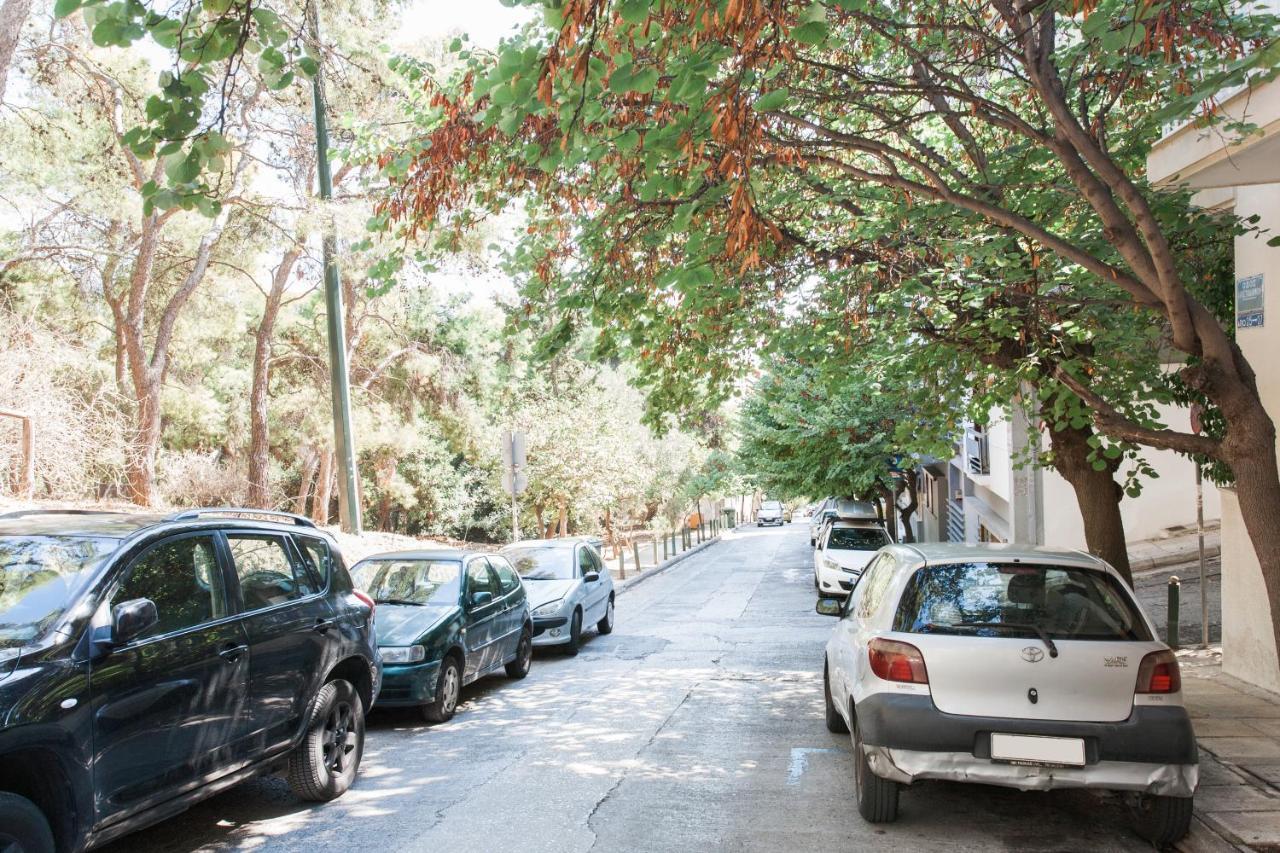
194,478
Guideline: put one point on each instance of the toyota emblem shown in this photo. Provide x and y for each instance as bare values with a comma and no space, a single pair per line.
1032,654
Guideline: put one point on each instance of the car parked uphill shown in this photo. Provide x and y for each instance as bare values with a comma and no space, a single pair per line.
770,512
569,588
843,551
446,618
1016,666
148,662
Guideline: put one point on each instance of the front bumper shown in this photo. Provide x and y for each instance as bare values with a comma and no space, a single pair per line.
408,684
551,630
834,582
907,738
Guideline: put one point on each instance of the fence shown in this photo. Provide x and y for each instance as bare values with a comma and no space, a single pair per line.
640,551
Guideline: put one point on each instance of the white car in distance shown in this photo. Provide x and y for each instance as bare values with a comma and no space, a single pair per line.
844,549
1017,666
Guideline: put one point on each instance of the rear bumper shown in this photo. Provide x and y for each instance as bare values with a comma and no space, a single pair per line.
907,766
907,737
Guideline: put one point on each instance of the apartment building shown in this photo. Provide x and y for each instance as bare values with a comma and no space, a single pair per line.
1241,174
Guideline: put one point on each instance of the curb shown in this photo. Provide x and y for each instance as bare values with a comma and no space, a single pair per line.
627,584
1173,558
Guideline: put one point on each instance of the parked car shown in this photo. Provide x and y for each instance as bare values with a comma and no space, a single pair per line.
148,662
770,512
847,510
824,511
446,618
569,587
843,551
1016,666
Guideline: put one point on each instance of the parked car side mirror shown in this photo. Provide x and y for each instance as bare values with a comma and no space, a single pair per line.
591,577
828,607
131,619
480,599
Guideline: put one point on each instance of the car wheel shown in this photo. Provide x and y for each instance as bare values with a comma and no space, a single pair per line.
1161,820
448,687
813,543
324,765
575,634
877,798
519,667
605,625
23,827
835,722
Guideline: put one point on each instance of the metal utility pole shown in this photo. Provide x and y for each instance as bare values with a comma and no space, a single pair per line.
514,478
1197,426
348,482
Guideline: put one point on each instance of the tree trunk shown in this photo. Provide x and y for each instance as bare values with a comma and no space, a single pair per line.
537,514
260,393
324,488
913,503
310,462
140,467
13,14
1097,493
562,524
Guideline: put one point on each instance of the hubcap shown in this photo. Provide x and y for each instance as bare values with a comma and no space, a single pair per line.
450,688
339,738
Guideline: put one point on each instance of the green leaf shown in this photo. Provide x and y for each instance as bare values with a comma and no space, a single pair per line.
813,33
634,11
1274,241
772,100
644,82
62,8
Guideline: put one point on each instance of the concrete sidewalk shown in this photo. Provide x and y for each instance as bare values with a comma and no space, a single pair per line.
1238,728
1178,545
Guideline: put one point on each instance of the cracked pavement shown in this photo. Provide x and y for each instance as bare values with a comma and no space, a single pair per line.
696,725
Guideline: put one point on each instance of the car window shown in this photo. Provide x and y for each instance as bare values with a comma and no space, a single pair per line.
585,565
857,539
268,575
508,580
40,577
542,562
597,565
875,582
1018,600
181,577
319,559
480,579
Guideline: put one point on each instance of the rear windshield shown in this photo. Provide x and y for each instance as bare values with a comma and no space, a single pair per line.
1002,600
857,539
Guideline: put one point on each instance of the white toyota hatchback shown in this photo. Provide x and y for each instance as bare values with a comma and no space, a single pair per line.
1024,667
844,549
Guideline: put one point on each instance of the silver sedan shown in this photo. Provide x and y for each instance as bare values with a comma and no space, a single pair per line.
568,586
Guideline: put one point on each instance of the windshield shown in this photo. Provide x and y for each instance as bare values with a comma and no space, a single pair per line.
857,539
1018,601
542,563
771,506
40,577
410,581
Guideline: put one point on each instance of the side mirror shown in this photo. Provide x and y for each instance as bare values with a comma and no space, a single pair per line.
132,619
591,577
828,607
480,599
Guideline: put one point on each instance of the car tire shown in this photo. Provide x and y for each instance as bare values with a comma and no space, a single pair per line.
448,687
519,667
1161,820
575,634
23,826
605,625
835,722
813,543
325,764
877,798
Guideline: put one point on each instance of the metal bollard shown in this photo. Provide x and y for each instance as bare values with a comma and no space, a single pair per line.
1175,591
664,548
635,551
655,549
622,562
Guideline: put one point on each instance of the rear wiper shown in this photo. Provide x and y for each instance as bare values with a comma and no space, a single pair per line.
401,601
1014,626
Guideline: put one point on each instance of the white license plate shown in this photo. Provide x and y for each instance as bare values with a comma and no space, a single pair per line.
1034,749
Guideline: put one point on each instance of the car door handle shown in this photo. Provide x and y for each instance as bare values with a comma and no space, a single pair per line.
231,653
322,625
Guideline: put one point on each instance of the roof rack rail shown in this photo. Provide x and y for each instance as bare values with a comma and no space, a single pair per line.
191,514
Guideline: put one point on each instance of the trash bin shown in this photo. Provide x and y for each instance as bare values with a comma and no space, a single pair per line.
729,514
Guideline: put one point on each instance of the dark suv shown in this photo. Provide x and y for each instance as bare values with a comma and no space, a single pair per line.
149,662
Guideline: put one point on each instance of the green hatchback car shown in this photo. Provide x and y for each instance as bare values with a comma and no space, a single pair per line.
445,618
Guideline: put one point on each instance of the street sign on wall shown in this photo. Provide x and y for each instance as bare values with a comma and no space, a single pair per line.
1250,297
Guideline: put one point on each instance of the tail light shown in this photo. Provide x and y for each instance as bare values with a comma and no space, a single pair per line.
1159,673
365,599
895,661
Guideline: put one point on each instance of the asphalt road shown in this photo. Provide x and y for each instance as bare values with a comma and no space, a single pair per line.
697,725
